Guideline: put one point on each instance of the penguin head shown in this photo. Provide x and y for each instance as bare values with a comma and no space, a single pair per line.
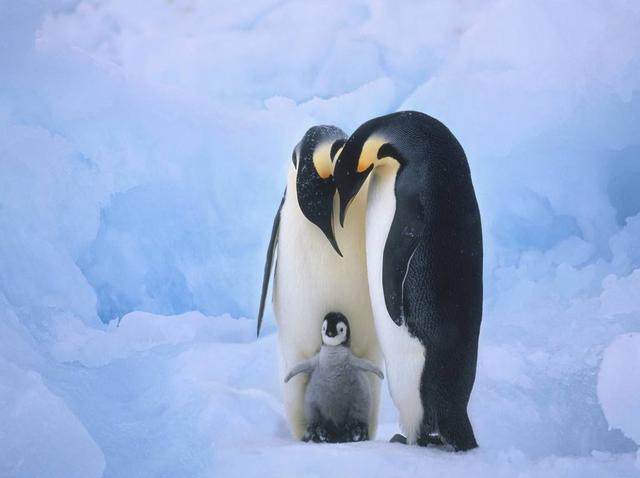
313,161
370,147
335,330
410,144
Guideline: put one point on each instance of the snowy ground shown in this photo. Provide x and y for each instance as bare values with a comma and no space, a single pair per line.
191,395
143,147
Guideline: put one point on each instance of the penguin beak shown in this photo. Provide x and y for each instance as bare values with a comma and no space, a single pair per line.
345,199
348,182
326,226
347,178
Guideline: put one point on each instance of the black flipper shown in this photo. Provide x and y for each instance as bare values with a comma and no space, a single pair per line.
397,256
404,237
269,263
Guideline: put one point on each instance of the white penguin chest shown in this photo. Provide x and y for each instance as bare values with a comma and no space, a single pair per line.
404,354
312,280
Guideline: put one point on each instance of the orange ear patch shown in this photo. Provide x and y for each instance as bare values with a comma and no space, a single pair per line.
369,152
322,160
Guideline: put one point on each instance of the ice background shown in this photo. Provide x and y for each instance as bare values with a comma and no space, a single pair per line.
143,148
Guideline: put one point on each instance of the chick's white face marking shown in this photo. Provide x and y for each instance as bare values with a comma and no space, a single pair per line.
334,336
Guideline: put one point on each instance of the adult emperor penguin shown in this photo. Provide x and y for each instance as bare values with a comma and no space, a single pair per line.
424,258
313,276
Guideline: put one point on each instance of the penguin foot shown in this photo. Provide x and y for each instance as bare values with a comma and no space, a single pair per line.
321,434
397,438
316,434
358,432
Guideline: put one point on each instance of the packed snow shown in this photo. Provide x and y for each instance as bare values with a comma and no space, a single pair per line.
143,148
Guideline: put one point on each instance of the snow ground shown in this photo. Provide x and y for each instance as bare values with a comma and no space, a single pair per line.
192,395
142,155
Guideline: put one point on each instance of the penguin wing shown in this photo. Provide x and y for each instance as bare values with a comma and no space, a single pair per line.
366,366
404,237
269,263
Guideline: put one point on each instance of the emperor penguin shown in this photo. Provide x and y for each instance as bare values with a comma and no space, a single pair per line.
424,262
313,275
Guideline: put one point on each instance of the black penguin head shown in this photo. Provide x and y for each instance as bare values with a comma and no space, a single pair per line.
368,148
348,177
335,330
313,158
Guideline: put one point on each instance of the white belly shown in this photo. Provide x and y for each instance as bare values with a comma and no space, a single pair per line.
310,281
404,354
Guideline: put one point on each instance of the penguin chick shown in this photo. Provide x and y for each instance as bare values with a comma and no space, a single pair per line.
337,400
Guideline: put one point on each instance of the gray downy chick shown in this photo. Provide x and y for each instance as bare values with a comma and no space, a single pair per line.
337,400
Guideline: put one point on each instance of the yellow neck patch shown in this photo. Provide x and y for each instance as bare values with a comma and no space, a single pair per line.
322,160
369,153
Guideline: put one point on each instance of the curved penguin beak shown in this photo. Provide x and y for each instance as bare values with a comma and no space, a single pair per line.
348,180
326,226
346,197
